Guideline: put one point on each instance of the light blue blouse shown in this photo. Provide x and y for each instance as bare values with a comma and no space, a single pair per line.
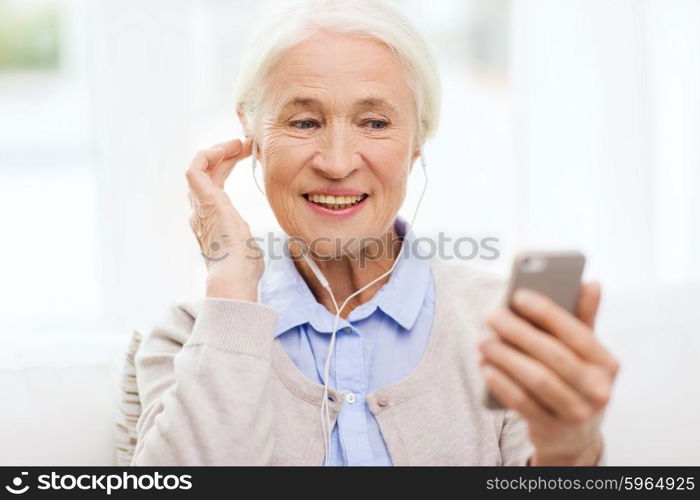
381,342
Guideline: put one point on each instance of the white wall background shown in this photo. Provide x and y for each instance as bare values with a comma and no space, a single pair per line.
566,123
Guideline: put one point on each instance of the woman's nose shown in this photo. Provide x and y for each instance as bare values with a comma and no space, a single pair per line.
337,158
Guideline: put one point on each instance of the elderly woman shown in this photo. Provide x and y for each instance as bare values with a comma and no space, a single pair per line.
286,363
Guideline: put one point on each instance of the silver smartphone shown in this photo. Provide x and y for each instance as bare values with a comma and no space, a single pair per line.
554,274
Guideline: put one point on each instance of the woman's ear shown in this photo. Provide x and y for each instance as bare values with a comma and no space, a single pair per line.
416,155
243,118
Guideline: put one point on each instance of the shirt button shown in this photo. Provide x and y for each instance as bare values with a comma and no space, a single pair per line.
350,397
347,329
382,401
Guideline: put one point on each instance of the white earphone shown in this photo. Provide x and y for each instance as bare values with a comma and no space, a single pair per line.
254,162
325,413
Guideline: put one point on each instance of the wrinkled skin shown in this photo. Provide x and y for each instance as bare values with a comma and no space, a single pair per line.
233,266
336,141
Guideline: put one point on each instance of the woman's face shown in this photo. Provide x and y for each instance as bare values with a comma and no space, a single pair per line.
338,126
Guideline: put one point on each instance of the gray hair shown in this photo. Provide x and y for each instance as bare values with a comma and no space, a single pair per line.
381,20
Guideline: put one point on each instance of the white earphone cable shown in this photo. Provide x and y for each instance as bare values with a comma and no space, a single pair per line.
254,162
325,411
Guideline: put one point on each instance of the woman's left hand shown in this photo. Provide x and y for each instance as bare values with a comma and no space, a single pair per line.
546,364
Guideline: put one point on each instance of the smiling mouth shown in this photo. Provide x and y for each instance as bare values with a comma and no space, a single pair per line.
335,202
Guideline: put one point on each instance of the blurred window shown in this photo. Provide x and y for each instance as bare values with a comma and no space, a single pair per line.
50,252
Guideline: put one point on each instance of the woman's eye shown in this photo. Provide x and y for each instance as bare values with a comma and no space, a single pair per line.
302,124
308,124
381,124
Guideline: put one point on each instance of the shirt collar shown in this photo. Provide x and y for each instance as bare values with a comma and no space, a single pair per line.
401,298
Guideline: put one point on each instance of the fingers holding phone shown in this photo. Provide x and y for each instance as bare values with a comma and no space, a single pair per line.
545,362
589,301
556,275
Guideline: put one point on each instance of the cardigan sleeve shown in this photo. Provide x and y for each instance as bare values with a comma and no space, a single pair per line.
204,386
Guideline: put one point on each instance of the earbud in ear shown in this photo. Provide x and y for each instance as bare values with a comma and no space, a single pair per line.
423,161
254,152
254,163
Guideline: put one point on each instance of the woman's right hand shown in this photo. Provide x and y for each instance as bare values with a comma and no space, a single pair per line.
233,259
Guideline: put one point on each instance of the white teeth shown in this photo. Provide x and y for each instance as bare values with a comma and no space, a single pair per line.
322,198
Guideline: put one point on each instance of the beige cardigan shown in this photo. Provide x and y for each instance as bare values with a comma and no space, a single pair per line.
216,388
